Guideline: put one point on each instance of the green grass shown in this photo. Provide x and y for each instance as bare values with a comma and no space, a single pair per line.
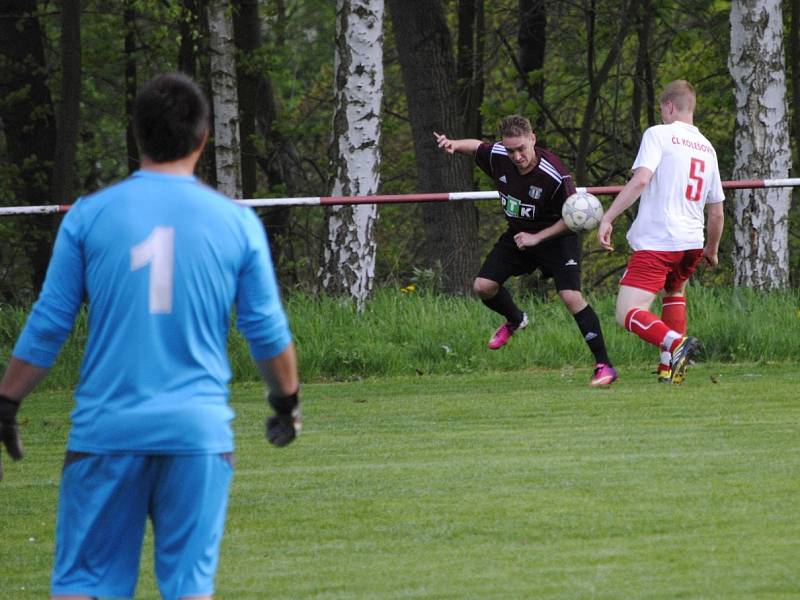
499,485
404,334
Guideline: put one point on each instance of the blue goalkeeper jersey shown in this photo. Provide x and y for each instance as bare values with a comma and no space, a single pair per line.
161,260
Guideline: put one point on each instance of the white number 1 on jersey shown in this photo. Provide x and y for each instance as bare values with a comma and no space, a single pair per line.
158,252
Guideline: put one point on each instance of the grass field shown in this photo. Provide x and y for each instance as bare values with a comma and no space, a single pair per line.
514,485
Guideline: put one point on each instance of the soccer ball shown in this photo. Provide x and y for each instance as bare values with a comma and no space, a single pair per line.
582,211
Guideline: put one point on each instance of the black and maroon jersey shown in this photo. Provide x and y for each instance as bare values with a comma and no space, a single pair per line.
531,202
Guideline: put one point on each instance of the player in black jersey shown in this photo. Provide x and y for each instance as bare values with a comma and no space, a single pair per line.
533,184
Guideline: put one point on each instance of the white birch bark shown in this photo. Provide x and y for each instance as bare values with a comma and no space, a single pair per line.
225,99
348,261
761,217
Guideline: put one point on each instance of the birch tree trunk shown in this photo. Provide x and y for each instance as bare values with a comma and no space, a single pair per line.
225,98
348,262
756,64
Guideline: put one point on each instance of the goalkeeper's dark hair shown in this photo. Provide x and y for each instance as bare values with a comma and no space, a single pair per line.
515,126
170,117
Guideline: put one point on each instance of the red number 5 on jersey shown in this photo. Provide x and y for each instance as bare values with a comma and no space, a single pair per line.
694,191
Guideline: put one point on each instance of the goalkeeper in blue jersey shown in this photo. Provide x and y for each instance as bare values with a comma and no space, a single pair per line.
161,259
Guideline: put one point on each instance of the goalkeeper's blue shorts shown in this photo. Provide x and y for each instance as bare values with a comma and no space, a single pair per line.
104,503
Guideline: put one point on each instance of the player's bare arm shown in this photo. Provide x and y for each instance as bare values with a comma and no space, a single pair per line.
20,378
527,240
464,146
715,224
624,200
280,371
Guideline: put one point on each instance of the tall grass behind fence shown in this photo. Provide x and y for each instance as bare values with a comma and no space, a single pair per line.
421,333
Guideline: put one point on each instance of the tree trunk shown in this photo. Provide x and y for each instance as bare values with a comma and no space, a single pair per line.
264,147
131,86
194,35
794,59
531,34
188,27
596,78
69,111
281,23
27,115
280,162
532,39
756,64
225,98
348,261
247,27
428,67
644,97
794,51
469,67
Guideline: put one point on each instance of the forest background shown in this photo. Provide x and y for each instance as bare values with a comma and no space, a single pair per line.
587,73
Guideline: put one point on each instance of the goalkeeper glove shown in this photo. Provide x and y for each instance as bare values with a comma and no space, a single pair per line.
9,435
286,423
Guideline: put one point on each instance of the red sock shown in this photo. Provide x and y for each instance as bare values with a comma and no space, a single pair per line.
651,329
673,313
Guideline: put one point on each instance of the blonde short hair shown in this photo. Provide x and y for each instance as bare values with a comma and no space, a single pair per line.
681,93
514,126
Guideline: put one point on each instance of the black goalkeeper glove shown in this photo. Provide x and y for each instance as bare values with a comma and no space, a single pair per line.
9,435
286,423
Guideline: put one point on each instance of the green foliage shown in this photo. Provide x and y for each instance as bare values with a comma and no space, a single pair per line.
686,40
484,486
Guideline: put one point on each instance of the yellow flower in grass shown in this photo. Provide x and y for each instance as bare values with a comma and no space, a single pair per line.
408,289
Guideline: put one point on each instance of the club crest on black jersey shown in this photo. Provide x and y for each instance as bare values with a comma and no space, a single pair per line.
531,202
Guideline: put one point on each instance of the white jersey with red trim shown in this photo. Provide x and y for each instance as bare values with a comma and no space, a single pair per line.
685,178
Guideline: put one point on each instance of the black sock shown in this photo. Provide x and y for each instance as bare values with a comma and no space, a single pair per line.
589,325
503,303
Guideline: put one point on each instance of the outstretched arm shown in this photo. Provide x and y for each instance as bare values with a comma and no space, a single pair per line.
465,146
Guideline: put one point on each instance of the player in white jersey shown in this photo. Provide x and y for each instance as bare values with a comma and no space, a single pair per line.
677,176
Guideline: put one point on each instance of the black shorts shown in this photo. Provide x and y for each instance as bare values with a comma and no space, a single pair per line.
558,258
